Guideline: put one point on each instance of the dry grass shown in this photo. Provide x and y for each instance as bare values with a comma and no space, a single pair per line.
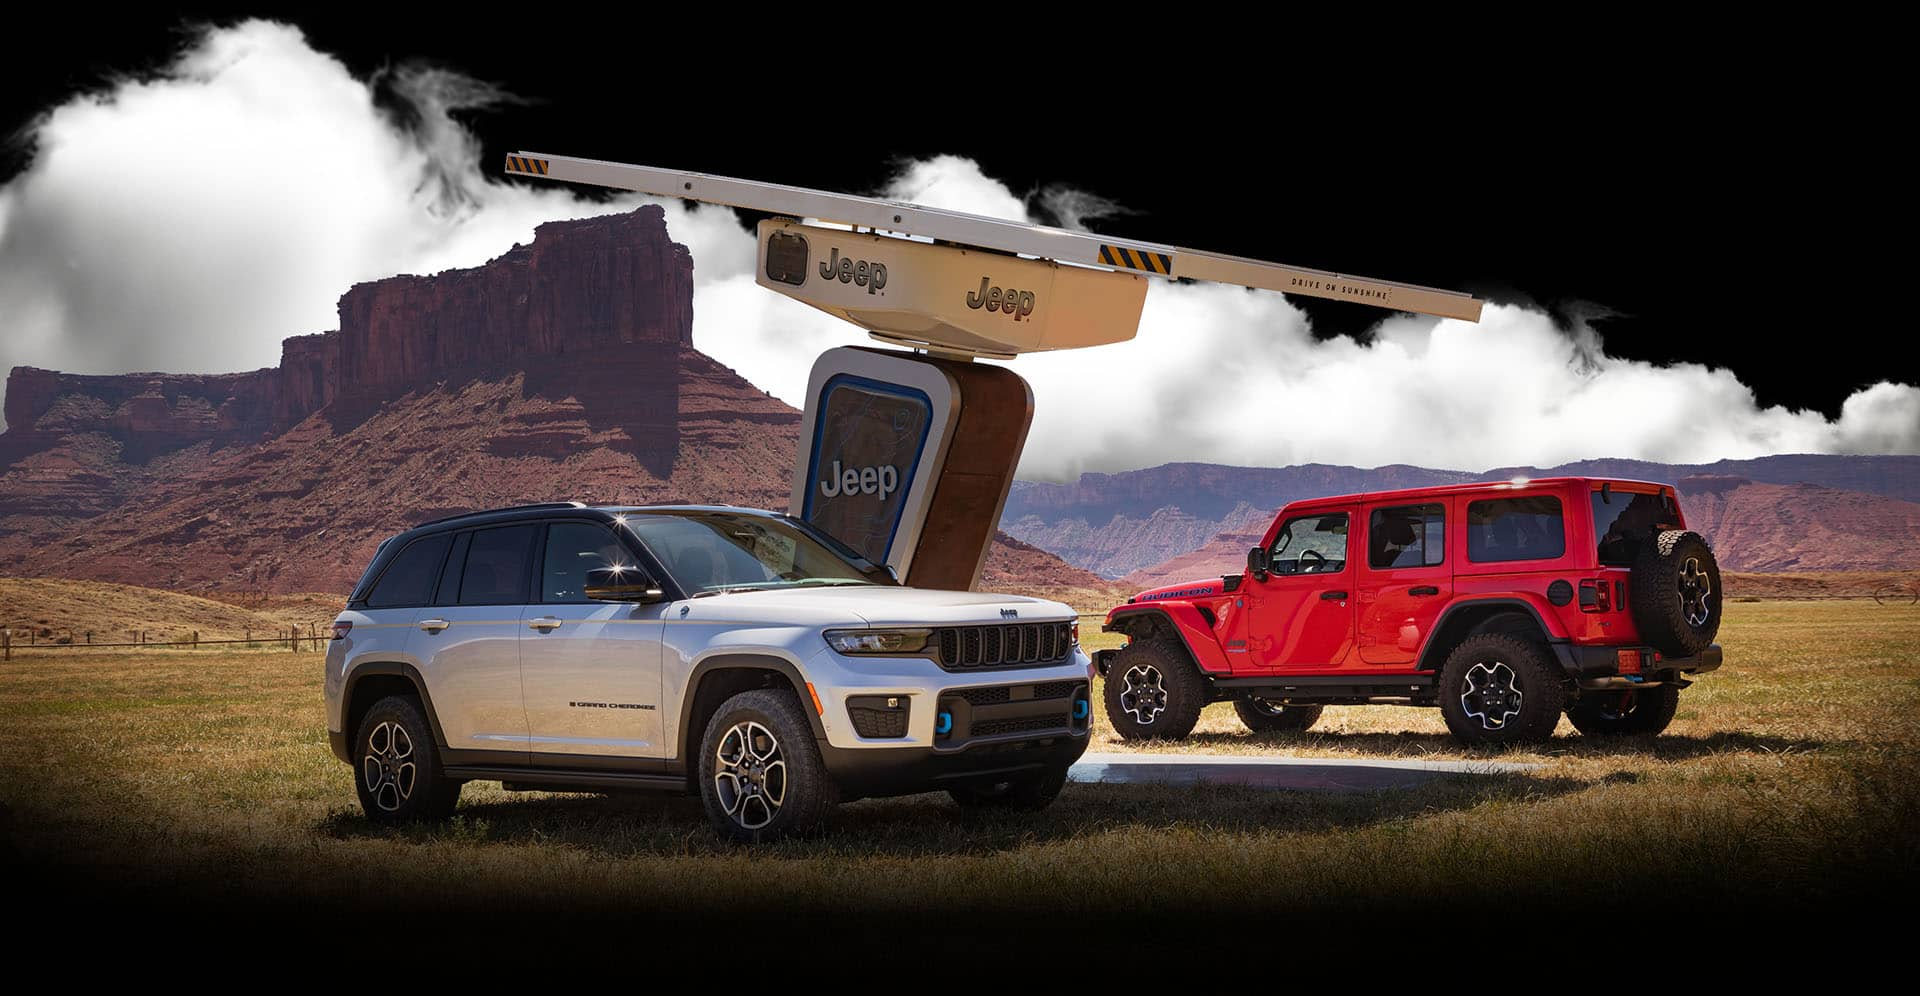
55,608
1786,781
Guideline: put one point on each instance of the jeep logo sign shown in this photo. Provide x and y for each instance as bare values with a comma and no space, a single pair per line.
866,481
1015,304
867,441
860,273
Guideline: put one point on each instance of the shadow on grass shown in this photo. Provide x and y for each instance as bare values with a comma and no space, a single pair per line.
1386,746
932,825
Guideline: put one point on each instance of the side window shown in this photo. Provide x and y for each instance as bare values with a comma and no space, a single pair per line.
409,579
1406,536
573,549
1505,529
498,562
449,592
1311,544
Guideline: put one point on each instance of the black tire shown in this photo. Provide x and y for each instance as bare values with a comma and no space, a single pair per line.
1153,692
1675,593
1633,712
396,770
1501,688
1027,795
1261,716
771,790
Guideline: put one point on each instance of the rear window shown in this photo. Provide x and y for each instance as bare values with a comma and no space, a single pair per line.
498,564
1406,536
409,579
1623,522
1506,529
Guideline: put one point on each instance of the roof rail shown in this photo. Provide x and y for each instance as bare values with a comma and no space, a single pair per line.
493,511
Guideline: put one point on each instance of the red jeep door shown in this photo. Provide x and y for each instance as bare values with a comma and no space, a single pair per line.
1301,617
1404,580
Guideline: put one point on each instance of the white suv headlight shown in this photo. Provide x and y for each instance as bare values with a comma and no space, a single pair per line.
878,641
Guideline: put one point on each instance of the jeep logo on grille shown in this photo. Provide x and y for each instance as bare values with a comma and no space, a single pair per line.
1009,613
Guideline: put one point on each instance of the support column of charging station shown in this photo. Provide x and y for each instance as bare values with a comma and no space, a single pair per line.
908,459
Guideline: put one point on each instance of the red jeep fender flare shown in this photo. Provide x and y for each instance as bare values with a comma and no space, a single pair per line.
1186,623
1463,615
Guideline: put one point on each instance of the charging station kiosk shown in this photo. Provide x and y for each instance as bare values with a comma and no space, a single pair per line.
907,454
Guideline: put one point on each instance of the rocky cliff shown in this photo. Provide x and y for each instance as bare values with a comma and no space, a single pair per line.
562,369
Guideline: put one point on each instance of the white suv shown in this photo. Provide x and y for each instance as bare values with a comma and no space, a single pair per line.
740,654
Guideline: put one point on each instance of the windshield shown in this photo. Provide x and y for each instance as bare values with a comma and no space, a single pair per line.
714,552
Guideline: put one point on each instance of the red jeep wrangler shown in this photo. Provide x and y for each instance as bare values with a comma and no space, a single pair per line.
1503,604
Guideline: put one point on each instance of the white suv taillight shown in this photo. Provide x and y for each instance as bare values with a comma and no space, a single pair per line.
341,629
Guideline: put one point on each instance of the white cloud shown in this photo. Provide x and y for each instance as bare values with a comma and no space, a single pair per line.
191,221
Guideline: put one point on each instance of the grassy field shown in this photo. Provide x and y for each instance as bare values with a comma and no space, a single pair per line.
1786,781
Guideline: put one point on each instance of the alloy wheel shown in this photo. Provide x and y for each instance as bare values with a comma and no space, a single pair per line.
1695,588
1143,693
750,775
388,767
1492,694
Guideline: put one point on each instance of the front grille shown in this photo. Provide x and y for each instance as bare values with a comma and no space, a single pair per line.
1013,645
996,727
985,696
1054,689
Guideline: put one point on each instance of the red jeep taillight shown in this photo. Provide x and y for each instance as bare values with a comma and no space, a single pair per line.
341,629
1595,596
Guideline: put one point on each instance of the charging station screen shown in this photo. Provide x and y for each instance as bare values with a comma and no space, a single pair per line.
867,443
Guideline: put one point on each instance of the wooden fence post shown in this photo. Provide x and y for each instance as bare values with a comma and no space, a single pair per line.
89,636
196,639
6,641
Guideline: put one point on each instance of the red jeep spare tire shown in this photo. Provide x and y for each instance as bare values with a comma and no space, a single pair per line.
1675,593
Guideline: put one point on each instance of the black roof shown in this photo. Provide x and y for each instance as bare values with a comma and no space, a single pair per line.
543,510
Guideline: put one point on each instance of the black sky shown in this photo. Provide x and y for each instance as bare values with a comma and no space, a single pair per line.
1713,189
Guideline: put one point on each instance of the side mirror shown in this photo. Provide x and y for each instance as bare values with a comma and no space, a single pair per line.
609,584
1258,563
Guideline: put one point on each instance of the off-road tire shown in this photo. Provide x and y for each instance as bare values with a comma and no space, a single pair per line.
1026,795
805,792
1260,717
1479,666
396,770
1647,712
1662,590
1169,715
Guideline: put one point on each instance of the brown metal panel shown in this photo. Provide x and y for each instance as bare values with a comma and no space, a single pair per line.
996,409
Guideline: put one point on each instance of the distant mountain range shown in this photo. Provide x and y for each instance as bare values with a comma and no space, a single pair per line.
1778,513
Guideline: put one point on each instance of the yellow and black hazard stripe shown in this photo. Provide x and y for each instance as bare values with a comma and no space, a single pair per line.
1137,259
527,164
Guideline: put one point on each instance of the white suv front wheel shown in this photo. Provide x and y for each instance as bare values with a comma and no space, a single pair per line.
761,775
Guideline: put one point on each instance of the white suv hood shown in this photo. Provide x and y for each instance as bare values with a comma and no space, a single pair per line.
877,605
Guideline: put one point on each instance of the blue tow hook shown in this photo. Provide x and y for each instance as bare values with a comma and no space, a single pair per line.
943,724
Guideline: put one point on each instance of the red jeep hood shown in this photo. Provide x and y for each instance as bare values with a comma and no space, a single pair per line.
1186,589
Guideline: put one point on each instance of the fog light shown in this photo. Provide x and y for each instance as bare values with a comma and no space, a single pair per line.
943,723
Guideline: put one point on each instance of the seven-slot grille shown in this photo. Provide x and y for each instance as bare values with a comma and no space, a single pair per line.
969,647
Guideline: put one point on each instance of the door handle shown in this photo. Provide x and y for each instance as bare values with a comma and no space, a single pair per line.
544,624
1333,596
1423,590
433,625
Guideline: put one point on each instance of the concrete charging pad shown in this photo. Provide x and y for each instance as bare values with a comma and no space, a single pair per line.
1316,774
